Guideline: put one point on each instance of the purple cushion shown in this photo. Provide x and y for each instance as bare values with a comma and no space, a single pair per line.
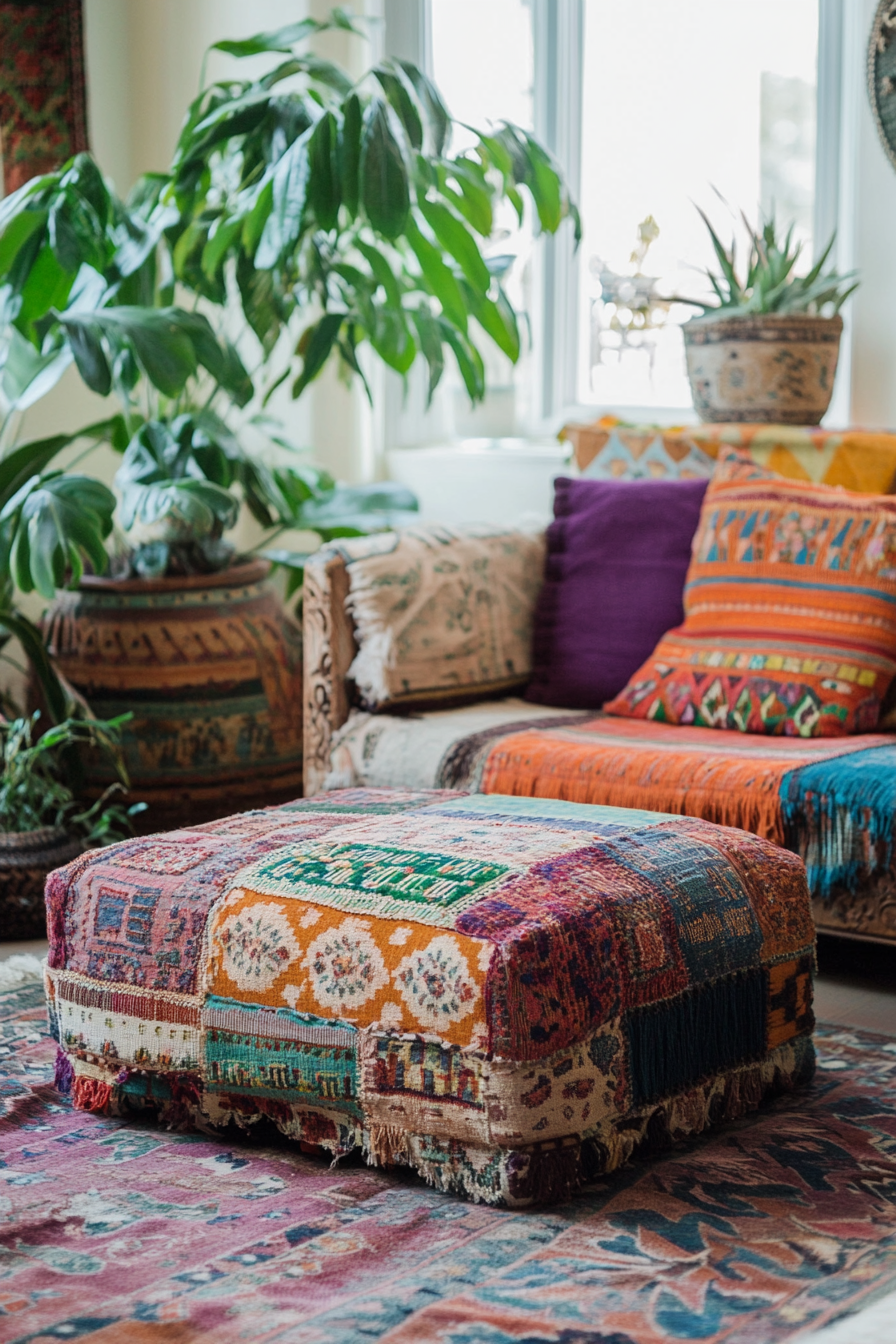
618,552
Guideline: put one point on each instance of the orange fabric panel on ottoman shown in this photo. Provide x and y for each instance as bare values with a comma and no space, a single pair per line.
790,612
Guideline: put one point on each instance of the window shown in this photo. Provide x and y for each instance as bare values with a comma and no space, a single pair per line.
652,108
679,100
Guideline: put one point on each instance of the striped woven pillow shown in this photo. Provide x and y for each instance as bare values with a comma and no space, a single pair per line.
790,612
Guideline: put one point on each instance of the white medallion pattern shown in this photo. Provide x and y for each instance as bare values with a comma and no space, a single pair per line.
257,945
345,966
435,983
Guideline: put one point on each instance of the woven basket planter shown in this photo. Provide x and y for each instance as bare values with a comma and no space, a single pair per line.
764,369
26,858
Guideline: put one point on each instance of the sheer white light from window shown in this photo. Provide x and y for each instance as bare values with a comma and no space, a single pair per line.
483,65
483,61
679,99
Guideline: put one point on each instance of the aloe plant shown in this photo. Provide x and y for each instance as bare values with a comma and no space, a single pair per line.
770,283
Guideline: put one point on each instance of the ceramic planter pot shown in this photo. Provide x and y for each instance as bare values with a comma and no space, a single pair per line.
26,857
211,668
765,369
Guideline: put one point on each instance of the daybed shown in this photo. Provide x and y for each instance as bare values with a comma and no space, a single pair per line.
832,800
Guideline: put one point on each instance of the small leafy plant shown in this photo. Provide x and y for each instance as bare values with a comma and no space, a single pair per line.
36,785
770,283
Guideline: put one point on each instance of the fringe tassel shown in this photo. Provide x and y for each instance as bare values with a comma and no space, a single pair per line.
725,790
63,1073
90,1094
386,1146
838,817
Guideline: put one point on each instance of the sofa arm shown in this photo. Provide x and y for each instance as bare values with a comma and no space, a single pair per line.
440,616
330,648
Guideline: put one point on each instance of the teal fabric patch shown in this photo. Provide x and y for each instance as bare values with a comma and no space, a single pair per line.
279,1053
549,809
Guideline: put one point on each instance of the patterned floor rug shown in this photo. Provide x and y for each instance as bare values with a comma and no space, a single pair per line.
113,1231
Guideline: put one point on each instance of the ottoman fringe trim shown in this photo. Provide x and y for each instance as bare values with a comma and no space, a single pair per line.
515,1177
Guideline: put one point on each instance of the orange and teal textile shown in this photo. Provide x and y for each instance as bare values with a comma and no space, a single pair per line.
760,1231
853,459
790,612
503,993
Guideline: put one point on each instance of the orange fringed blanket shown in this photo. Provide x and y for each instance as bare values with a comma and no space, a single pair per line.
729,778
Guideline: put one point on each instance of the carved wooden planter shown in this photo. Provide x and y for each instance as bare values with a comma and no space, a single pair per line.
25,859
211,668
769,368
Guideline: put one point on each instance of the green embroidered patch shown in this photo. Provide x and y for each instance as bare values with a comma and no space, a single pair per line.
420,878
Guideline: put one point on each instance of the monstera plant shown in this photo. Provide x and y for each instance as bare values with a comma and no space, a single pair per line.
305,217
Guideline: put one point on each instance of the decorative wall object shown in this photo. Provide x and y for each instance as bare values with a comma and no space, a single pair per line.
882,75
43,104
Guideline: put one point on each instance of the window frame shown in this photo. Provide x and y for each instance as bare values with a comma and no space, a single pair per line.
558,32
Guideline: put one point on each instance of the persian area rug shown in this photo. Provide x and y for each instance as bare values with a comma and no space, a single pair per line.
43,105
114,1230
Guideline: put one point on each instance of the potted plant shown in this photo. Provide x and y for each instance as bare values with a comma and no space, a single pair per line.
42,825
333,216
766,349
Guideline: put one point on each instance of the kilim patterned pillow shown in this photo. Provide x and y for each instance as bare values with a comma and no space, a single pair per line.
790,612
510,995
442,615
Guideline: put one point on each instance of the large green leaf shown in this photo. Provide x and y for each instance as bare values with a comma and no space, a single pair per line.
30,459
399,94
27,374
55,523
437,277
469,361
455,240
20,228
498,320
317,350
382,271
429,332
90,357
384,182
285,38
47,286
219,357
188,509
349,152
323,183
290,189
438,120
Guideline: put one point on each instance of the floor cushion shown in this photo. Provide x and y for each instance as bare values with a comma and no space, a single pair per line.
509,995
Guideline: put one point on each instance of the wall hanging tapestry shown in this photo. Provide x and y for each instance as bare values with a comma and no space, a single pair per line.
115,1230
43,108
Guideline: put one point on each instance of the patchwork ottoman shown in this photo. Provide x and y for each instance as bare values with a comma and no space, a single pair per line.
510,995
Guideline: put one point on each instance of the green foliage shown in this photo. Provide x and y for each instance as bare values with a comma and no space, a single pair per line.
35,786
337,217
770,284
344,202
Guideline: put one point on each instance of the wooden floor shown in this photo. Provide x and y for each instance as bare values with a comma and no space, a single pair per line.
856,985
